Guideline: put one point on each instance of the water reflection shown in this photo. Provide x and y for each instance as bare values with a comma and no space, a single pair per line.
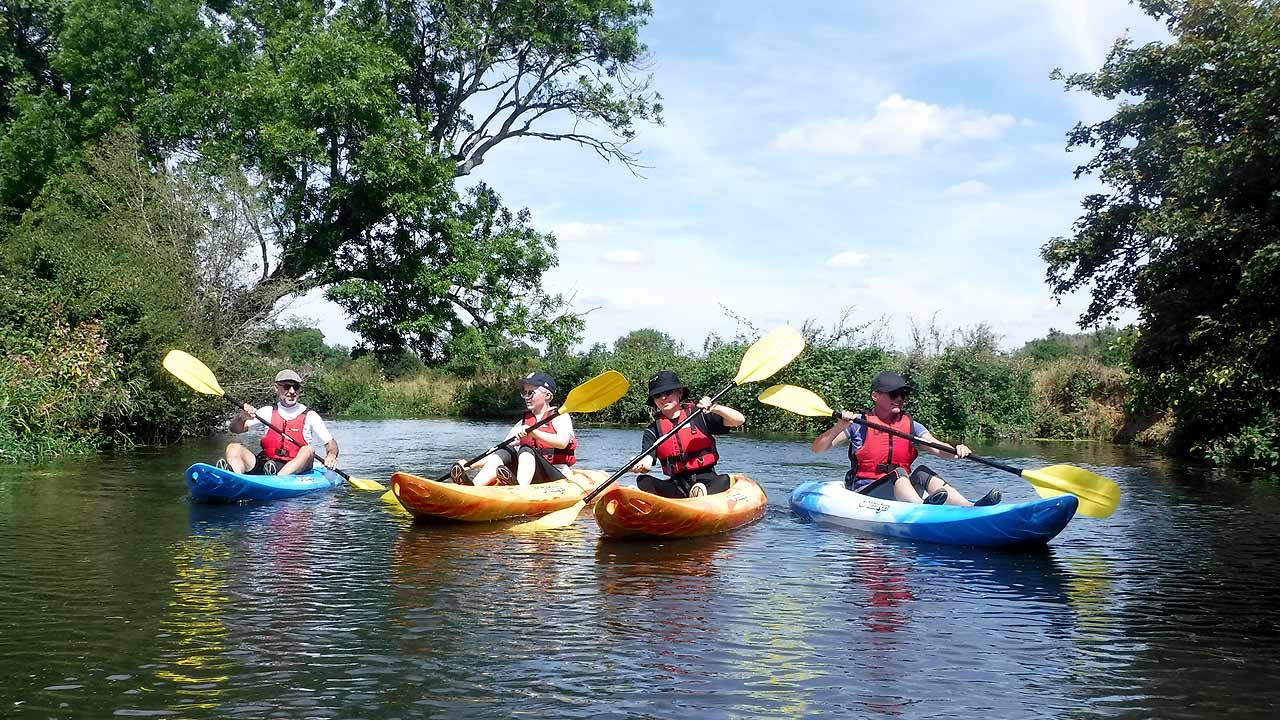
331,606
193,636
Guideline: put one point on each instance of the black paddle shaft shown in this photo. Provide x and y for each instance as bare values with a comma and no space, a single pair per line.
240,405
505,443
591,495
939,446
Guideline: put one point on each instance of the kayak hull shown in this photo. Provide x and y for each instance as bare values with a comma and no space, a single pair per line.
211,484
1004,525
433,500
628,512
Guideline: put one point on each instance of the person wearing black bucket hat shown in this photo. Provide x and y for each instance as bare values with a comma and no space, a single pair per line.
542,455
281,455
688,457
880,463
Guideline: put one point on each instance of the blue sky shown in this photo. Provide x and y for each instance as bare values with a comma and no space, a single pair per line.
904,160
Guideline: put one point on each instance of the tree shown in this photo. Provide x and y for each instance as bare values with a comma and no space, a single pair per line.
1188,230
355,119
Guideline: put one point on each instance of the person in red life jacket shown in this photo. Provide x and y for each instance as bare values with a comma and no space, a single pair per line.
880,463
543,455
689,457
285,454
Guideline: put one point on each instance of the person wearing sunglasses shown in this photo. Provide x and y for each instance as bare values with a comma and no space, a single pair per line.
880,463
281,455
689,456
542,455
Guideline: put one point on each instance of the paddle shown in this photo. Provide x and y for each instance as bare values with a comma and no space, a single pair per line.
1098,495
767,356
201,379
595,394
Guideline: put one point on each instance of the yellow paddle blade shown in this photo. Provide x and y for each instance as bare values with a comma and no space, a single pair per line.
597,393
192,372
551,521
1098,495
365,484
797,400
393,503
769,354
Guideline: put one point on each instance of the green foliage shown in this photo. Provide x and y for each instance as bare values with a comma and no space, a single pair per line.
54,398
973,392
354,119
108,246
1078,397
355,389
1187,232
1110,344
1256,444
299,345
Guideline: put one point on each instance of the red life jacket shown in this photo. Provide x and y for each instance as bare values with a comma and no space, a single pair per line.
274,444
554,455
691,448
881,452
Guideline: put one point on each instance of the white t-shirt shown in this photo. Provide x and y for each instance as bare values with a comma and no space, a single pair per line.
313,427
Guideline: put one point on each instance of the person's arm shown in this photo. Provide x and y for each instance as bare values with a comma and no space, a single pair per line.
923,433
243,420
835,435
321,431
331,454
732,418
644,464
560,433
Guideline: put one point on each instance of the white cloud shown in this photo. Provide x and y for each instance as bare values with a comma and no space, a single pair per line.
579,232
968,188
846,259
899,126
624,256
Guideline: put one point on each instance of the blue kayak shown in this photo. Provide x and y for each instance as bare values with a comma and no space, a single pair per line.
209,483
1004,525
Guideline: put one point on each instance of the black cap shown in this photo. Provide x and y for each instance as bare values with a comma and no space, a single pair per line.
541,380
665,381
887,382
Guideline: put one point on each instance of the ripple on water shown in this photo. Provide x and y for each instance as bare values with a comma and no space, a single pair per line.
122,598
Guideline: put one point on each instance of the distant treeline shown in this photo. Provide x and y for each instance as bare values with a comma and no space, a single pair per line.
1062,386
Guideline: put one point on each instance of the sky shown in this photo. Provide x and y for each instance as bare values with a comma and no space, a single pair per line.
894,163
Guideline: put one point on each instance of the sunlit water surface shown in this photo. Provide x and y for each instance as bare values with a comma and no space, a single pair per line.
118,596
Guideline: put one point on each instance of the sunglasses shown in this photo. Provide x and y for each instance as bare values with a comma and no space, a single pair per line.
289,386
898,394
526,394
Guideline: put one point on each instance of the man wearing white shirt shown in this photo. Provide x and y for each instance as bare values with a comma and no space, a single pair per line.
282,454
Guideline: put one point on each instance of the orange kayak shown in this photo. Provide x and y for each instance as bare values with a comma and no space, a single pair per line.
427,498
630,512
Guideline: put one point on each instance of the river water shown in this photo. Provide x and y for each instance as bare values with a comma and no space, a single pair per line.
120,597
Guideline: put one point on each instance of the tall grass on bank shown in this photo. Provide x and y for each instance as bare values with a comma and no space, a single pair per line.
1078,398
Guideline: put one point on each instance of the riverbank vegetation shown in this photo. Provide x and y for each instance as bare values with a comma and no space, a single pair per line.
171,175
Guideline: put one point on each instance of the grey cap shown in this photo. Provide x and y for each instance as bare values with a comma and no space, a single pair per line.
288,376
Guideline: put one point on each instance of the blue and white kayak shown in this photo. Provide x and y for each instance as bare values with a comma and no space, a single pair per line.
1028,523
212,484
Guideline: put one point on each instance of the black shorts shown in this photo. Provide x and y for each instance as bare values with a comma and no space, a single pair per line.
260,464
678,486
882,487
543,470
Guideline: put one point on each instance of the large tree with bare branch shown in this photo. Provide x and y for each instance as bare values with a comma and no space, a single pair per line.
354,119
